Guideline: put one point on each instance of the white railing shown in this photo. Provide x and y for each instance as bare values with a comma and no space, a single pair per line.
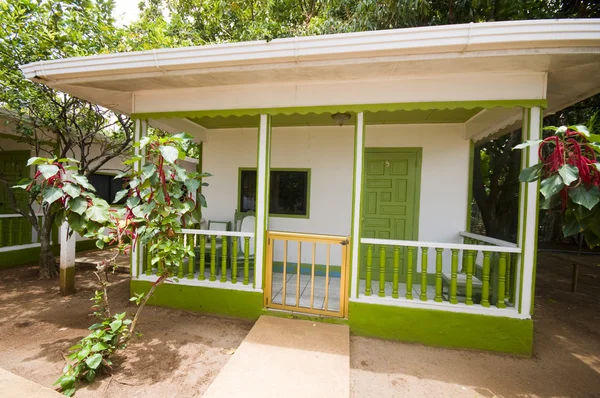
417,272
219,257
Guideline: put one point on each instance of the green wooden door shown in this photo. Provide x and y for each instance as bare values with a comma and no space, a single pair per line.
390,201
13,231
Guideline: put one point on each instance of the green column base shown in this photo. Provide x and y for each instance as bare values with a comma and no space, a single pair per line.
441,328
238,303
67,281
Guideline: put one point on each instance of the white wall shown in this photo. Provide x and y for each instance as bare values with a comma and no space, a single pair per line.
328,152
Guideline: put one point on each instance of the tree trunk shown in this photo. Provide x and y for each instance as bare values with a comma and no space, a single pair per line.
48,265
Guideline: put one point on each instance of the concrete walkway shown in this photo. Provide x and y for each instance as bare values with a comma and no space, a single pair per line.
287,358
13,386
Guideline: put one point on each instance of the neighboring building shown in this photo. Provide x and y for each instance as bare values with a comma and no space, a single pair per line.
375,212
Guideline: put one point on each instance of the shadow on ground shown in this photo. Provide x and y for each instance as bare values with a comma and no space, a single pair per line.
565,363
179,353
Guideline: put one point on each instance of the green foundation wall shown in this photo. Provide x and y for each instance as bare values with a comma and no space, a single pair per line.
235,303
29,256
440,328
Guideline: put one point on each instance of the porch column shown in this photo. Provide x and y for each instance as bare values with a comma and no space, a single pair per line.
137,257
67,261
263,167
528,215
359,144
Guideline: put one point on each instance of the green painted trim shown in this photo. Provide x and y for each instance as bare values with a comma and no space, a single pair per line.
17,138
355,240
419,152
537,227
470,186
347,108
237,303
272,215
523,225
441,328
31,255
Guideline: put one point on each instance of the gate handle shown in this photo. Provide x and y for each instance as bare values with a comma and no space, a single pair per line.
344,242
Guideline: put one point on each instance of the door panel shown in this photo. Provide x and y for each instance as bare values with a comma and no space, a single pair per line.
390,202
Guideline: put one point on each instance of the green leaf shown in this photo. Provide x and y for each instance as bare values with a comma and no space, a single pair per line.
133,159
84,352
96,326
68,392
72,190
99,347
169,153
67,382
551,186
83,181
77,205
580,128
52,194
97,213
100,244
531,173
132,201
584,197
569,173
527,144
148,170
48,170
36,161
94,361
571,227
90,376
192,185
561,129
115,325
120,195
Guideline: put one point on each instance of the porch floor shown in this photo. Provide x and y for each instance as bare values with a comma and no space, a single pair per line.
333,296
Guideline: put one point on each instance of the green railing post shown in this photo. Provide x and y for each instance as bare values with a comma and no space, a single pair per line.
463,268
501,281
2,232
382,270
202,264
10,232
409,272
224,259
508,275
180,238
469,287
369,268
148,258
396,271
213,258
485,289
438,274
424,251
453,277
234,254
190,243
246,259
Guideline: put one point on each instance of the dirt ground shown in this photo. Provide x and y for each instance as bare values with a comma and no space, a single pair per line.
180,353
565,363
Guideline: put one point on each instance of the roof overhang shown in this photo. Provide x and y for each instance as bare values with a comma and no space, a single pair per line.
566,51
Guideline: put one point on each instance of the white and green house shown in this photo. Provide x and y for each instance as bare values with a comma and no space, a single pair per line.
342,170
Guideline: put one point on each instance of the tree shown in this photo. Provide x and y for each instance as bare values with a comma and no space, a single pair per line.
159,201
51,122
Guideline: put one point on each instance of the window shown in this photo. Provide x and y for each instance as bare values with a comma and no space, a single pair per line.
107,187
289,193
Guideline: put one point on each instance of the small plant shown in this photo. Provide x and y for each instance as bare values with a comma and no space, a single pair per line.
570,175
159,201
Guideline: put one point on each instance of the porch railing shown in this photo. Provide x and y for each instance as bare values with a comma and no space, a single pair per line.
219,257
16,230
402,269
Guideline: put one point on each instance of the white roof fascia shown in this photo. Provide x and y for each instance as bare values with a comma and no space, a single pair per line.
493,36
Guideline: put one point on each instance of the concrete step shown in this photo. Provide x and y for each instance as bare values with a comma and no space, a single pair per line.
287,358
13,386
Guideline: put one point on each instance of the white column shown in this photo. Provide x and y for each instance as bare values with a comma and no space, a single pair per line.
359,143
67,260
141,129
528,214
262,197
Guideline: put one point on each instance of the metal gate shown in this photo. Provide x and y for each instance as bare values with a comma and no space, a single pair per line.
307,273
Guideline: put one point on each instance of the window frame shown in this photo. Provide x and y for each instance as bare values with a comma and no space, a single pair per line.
112,175
290,169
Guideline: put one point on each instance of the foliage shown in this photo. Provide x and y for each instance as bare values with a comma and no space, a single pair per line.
160,200
570,177
51,122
